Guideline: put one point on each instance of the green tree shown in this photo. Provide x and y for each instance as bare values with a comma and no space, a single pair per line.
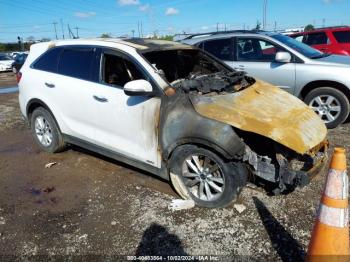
30,38
165,37
309,28
106,35
45,39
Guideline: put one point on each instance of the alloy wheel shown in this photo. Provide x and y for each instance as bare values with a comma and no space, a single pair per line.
327,107
203,177
43,131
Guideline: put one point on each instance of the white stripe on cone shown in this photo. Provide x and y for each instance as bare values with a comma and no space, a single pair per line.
337,184
335,217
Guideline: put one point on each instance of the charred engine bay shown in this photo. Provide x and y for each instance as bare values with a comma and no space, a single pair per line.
219,82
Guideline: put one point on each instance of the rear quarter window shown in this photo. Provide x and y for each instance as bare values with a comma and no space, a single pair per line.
342,36
76,62
49,60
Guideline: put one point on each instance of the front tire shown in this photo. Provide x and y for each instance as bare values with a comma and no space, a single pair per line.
46,131
330,104
204,177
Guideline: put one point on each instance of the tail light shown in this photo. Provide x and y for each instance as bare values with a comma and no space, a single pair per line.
18,77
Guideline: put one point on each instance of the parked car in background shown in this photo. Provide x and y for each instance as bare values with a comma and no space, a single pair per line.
332,40
321,80
5,62
173,110
19,61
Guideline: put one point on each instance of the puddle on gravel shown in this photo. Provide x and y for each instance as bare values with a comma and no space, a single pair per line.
9,90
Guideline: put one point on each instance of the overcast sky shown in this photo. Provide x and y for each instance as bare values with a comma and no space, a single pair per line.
35,18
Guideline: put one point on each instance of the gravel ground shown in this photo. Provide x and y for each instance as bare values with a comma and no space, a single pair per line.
89,205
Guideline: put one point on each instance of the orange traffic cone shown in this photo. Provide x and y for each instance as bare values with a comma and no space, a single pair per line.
330,236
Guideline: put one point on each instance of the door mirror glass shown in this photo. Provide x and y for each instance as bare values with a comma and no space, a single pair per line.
283,57
139,87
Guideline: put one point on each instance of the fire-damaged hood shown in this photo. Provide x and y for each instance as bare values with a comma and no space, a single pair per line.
266,110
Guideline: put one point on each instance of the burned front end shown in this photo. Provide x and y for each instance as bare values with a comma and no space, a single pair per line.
280,167
261,127
285,141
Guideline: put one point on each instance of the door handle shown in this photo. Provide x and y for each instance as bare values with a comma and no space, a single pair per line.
49,85
100,99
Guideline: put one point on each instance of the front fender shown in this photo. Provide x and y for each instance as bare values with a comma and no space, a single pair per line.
181,124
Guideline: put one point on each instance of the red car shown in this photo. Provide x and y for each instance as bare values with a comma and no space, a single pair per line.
332,40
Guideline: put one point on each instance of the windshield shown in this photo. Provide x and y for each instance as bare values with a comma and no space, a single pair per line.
5,57
178,64
193,71
302,48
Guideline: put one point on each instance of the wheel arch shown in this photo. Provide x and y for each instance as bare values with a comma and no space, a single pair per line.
35,103
324,83
200,143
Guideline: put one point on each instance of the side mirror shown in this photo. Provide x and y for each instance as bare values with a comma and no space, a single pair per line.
283,57
138,88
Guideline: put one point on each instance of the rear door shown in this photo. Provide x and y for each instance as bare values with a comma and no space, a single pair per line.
220,48
256,56
73,89
318,40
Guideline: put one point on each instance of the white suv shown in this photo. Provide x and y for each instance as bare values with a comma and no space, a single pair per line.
172,110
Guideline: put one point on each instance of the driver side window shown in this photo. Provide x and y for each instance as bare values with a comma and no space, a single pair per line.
256,50
117,71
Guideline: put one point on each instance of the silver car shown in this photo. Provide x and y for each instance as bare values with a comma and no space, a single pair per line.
321,80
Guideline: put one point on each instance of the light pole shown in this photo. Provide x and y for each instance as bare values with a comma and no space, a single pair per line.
264,14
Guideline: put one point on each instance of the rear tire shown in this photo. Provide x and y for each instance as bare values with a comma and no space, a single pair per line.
330,104
46,131
201,175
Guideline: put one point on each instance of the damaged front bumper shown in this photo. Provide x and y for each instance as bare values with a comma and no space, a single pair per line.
288,169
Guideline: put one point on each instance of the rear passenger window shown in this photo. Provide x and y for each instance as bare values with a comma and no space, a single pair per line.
221,48
76,62
342,36
48,61
317,39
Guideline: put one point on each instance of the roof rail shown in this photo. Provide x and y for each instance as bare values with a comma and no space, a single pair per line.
223,32
332,27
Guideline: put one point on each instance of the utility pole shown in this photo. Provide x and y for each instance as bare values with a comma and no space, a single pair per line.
225,28
264,14
324,22
77,28
133,33
217,27
141,29
275,26
62,27
138,28
54,25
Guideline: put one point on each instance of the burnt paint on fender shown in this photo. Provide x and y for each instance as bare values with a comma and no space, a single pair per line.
181,124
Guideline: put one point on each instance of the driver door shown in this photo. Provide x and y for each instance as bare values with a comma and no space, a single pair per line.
257,57
126,124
